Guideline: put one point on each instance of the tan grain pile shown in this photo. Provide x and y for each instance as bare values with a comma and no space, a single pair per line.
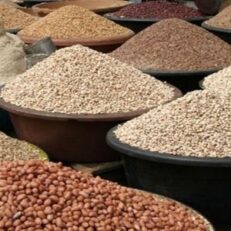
221,20
74,22
12,149
225,3
219,82
37,195
14,18
12,57
197,124
78,80
175,45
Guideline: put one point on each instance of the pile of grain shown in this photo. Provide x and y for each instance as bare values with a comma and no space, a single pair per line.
220,81
158,10
197,124
221,20
14,18
74,22
175,45
13,149
78,80
37,195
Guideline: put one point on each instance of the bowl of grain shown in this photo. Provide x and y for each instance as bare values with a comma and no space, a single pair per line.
56,185
141,15
181,150
182,59
220,25
95,31
67,103
98,6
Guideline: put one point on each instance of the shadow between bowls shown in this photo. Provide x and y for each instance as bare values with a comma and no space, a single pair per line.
224,34
139,24
202,183
102,45
12,31
186,81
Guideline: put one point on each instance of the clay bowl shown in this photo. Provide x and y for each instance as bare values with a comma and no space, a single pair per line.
68,138
224,34
208,6
103,45
202,183
98,6
137,24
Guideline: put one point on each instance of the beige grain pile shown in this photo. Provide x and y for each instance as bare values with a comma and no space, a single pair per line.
74,22
175,45
14,18
78,80
221,20
219,82
12,149
197,124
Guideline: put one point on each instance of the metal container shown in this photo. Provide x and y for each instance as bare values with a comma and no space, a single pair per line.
202,183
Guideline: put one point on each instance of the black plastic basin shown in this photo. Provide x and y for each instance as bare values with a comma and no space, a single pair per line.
202,183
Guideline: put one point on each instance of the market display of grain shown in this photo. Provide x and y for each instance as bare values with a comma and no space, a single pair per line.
219,81
79,80
14,18
12,149
221,20
197,124
158,10
74,22
175,45
38,195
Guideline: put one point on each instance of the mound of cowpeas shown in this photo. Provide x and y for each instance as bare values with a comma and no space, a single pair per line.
175,45
219,81
74,22
43,196
78,80
197,124
12,149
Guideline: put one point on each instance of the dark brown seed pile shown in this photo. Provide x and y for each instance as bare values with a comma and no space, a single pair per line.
39,196
176,45
158,10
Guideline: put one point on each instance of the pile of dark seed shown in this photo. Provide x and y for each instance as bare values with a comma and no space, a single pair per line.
40,196
158,10
175,45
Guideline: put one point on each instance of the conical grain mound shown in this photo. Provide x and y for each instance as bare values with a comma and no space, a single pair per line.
175,45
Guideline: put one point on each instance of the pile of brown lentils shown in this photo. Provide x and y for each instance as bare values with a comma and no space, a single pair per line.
40,196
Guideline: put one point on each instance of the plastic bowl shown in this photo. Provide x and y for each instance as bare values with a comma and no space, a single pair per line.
185,81
103,45
224,34
98,6
138,25
203,183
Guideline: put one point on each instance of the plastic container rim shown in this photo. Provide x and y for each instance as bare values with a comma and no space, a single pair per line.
134,152
216,29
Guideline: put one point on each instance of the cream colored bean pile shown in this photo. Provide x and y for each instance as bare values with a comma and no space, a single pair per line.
39,196
175,45
13,149
14,18
197,124
78,80
74,22
219,82
221,20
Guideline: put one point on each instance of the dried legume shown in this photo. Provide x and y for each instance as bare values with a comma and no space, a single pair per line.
72,22
197,124
158,10
221,20
176,45
36,195
12,149
78,80
219,82
14,18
